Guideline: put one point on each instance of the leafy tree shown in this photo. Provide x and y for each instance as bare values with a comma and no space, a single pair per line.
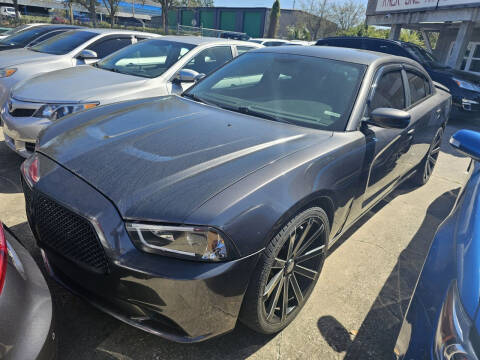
314,16
112,8
347,14
91,7
274,19
166,6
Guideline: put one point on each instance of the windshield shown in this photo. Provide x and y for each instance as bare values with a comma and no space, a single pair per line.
423,56
307,91
63,43
146,59
24,37
15,30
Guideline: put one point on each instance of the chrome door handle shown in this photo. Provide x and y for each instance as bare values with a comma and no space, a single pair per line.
411,131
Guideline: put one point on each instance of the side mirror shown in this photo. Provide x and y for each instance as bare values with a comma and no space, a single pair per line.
390,118
188,76
86,54
467,142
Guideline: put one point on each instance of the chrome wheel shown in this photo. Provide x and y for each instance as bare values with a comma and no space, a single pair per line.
432,155
295,270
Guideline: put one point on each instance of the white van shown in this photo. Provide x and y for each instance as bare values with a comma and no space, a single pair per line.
8,11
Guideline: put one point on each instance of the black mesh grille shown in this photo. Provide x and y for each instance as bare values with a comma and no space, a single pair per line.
22,112
30,147
64,232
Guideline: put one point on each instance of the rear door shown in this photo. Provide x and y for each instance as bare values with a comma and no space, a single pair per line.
425,114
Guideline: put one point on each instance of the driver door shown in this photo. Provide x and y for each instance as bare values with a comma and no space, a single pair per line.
391,146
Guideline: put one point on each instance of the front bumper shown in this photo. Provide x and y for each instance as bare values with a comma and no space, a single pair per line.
21,133
183,301
466,101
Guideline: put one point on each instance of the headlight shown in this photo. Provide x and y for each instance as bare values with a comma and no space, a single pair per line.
7,72
452,339
30,169
57,111
467,85
196,243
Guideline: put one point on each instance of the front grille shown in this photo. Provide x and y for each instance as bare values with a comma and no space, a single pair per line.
30,147
22,112
62,231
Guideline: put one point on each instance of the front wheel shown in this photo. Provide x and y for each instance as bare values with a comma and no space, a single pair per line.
425,169
287,272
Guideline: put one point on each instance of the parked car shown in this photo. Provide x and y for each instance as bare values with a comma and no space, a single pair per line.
8,12
234,36
68,49
464,86
442,321
17,29
181,213
26,309
150,68
32,36
270,42
59,20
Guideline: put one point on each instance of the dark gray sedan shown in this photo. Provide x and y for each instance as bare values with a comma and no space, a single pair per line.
181,214
26,310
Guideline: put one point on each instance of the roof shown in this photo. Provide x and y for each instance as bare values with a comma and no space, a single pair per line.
331,52
115,31
198,40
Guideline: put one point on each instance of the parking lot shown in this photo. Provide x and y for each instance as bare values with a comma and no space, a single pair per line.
355,311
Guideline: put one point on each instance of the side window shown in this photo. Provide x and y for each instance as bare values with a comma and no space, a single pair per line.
419,86
108,46
45,37
209,60
389,92
243,49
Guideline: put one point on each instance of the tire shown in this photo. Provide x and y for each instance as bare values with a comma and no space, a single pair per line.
290,258
425,168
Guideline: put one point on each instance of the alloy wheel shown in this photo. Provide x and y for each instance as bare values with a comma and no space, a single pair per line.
432,155
294,270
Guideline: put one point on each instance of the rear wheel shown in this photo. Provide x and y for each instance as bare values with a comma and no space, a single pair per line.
287,272
425,169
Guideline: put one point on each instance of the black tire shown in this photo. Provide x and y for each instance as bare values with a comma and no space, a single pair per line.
425,168
264,309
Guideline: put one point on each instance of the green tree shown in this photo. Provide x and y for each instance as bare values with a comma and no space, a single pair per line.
274,19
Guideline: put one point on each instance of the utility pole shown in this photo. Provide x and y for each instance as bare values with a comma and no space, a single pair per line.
293,6
133,8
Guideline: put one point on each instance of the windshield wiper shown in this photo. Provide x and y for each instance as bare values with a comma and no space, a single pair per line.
248,111
195,98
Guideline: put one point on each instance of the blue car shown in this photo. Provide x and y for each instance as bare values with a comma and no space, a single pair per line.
443,320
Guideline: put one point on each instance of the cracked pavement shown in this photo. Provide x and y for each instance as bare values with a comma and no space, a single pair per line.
355,311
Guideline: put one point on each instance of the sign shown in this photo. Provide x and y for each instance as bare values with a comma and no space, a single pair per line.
401,5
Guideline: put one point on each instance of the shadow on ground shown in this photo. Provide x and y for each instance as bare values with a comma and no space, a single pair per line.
377,335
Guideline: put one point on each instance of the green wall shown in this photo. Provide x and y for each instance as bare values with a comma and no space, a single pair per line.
207,19
187,17
252,23
172,18
228,20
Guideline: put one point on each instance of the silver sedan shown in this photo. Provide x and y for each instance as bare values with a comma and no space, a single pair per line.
150,68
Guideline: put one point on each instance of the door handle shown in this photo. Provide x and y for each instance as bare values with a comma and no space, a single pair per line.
411,131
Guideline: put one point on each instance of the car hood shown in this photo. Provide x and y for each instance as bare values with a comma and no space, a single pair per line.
23,56
161,159
459,74
76,84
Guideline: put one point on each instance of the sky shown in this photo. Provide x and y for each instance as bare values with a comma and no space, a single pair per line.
285,4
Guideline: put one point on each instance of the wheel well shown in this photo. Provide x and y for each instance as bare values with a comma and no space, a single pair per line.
322,200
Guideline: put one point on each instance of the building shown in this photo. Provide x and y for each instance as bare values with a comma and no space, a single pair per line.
252,21
456,21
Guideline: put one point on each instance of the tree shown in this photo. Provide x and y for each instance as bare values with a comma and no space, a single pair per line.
195,3
91,6
347,14
112,8
166,6
274,19
313,16
17,13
